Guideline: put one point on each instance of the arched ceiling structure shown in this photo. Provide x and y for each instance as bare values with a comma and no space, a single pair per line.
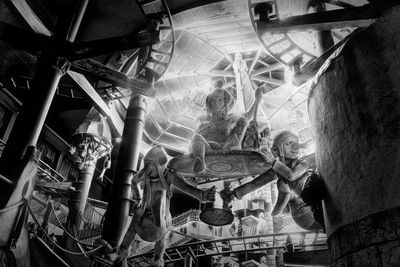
177,72
209,36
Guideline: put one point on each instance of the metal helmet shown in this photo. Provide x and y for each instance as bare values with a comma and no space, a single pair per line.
279,140
156,155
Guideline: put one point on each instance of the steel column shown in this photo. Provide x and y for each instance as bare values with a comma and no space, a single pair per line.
117,212
82,192
29,123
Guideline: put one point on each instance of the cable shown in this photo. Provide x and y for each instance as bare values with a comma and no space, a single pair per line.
12,206
66,231
56,245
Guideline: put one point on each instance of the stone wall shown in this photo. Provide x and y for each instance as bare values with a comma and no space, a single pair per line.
354,109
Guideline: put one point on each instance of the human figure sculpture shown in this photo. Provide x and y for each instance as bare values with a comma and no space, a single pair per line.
222,131
292,174
151,214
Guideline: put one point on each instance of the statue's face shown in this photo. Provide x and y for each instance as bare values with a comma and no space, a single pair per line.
264,143
151,169
291,148
217,102
238,56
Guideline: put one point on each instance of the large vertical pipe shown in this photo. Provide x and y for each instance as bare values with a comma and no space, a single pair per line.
82,191
324,38
354,110
29,123
117,211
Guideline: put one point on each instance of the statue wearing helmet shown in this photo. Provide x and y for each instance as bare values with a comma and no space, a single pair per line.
151,214
292,174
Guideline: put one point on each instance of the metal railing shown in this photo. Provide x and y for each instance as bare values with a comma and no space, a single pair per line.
48,173
188,216
308,240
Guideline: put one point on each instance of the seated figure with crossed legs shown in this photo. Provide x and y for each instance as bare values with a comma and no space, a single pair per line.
222,131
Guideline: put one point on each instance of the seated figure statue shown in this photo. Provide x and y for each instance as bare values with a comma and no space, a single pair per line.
151,217
222,130
292,174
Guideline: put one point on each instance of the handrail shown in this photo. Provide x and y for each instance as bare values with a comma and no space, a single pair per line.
235,244
49,172
229,239
188,216
45,170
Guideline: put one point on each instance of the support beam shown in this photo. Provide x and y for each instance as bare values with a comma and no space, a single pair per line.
89,49
116,122
268,80
115,77
267,69
98,102
255,59
358,17
213,73
30,17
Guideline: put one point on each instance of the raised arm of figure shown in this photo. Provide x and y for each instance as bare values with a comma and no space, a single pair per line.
255,184
291,174
252,112
261,180
201,195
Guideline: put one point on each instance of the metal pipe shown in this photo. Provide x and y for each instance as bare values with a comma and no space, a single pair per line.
118,207
324,38
77,20
82,191
29,123
55,75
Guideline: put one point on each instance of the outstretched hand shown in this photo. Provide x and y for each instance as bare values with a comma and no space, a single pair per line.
208,195
269,157
227,195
